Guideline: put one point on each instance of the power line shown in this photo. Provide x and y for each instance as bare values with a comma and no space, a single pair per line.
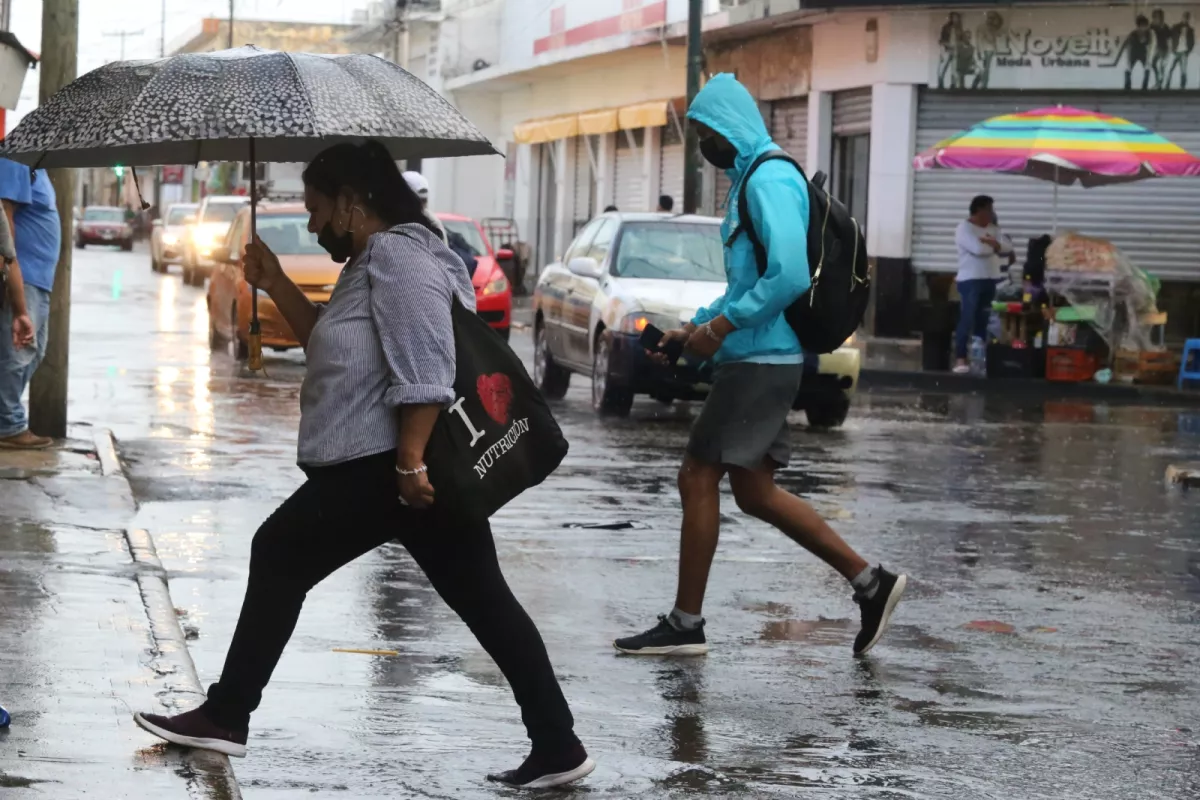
123,35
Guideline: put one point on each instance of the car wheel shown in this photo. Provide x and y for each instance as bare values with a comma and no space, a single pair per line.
79,245
127,246
239,349
192,276
551,379
505,333
829,411
606,398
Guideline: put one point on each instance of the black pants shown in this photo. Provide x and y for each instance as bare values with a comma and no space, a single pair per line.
339,514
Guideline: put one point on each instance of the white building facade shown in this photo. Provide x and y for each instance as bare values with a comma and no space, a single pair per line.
585,97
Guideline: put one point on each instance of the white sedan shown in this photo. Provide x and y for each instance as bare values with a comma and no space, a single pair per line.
626,271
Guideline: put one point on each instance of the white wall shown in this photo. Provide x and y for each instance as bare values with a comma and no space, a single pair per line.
840,46
889,193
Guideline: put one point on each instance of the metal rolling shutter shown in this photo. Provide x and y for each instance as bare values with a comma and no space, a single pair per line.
628,183
789,126
670,173
852,111
585,185
1152,221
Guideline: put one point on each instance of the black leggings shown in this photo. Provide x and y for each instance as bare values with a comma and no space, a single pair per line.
342,512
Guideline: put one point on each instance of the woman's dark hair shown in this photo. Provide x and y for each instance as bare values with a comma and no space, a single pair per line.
368,172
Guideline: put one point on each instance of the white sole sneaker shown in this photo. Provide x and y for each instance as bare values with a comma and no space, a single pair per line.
672,650
216,745
886,618
561,778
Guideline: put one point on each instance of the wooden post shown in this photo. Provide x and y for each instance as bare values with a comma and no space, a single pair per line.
48,390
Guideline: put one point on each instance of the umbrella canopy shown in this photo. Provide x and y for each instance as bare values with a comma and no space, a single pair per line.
1063,145
208,106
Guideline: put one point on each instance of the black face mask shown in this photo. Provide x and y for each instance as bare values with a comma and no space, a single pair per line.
339,246
717,155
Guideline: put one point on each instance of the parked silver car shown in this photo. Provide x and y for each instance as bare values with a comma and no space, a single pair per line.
170,231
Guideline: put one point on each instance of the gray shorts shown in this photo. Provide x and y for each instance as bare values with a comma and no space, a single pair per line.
744,419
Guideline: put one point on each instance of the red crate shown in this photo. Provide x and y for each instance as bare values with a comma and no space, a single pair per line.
1070,364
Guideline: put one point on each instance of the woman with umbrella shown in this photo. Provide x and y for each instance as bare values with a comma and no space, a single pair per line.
380,368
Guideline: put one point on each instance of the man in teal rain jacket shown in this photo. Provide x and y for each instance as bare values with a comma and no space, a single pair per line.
742,430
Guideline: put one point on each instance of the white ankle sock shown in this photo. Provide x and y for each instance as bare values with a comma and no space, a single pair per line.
683,620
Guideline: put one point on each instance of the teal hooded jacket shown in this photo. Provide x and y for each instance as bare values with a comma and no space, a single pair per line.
778,205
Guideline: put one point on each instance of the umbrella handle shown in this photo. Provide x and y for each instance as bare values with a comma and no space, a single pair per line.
255,361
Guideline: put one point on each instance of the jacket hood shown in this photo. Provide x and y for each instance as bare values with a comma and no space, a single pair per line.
728,108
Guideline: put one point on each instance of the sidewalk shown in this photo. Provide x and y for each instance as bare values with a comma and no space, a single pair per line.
88,635
890,364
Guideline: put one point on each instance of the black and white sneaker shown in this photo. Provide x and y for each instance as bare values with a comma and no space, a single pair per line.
664,639
542,772
877,609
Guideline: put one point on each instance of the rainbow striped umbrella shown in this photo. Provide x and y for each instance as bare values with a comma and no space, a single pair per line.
1063,145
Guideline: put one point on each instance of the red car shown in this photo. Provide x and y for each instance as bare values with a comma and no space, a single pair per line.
493,293
103,225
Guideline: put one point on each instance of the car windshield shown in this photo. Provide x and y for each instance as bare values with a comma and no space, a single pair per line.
222,212
680,251
181,215
288,235
104,215
467,230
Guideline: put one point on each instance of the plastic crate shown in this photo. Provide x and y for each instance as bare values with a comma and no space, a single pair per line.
1070,365
1004,361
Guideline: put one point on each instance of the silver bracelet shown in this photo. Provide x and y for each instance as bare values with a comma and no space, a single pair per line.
410,472
711,333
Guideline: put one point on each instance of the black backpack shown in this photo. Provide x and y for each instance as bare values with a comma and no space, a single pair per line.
831,310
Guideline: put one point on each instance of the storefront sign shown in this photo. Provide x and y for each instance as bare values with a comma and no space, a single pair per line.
1097,47
172,174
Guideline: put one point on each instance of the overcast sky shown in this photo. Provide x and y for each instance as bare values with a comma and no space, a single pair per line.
100,17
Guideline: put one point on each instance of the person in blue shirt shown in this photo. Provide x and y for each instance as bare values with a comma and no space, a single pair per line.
742,430
32,214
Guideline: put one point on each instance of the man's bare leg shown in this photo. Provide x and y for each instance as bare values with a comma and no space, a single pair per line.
758,495
876,591
700,491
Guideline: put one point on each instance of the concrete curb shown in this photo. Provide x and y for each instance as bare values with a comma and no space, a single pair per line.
871,379
211,773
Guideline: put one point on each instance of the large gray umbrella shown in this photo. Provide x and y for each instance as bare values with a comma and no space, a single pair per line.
244,104
209,106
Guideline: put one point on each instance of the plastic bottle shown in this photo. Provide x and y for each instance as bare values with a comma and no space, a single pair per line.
978,357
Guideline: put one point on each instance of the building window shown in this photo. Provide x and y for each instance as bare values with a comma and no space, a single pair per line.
851,168
260,171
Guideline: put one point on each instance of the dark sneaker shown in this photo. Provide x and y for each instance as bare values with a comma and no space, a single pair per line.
193,729
877,610
542,772
664,639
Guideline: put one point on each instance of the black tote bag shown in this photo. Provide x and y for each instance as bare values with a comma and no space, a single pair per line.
498,438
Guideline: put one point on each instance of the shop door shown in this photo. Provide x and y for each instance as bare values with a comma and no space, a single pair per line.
1154,222
670,176
789,127
585,184
849,176
628,183
547,183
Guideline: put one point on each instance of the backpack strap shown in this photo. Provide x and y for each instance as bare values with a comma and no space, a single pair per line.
745,223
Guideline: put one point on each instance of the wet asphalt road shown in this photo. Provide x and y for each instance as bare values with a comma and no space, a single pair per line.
1048,646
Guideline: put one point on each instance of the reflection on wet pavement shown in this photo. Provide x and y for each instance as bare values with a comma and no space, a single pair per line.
1048,646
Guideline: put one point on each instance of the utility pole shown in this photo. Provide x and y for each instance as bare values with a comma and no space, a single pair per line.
123,35
162,31
230,42
48,390
692,176
402,38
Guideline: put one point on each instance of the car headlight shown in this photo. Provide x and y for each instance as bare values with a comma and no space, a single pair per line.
170,239
496,286
638,321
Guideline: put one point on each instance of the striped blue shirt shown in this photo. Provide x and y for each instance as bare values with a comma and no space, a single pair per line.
384,340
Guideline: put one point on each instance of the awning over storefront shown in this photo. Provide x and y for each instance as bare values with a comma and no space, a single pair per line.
606,120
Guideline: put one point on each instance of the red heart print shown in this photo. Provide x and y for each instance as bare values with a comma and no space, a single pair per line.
495,393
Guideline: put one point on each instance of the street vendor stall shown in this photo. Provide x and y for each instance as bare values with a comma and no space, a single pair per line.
1091,308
